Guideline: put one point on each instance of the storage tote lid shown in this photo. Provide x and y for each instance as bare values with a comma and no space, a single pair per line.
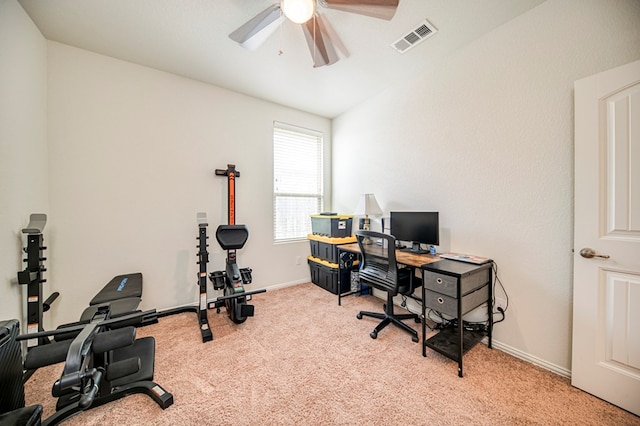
334,216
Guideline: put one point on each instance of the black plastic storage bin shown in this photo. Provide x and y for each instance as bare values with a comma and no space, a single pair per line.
331,225
325,274
326,248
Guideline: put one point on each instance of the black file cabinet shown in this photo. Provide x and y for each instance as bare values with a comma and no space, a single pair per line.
454,289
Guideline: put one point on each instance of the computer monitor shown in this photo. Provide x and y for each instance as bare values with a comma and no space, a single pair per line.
416,228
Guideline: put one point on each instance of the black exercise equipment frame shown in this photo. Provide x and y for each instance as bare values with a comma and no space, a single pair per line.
235,297
84,382
232,237
32,277
203,260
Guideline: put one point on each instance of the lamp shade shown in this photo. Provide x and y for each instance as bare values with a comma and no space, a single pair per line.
367,205
299,11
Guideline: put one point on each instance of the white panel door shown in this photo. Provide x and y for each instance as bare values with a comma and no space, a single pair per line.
606,285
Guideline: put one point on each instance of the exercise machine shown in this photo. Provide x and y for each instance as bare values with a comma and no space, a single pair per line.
12,402
232,237
32,277
203,259
219,283
102,363
121,295
103,359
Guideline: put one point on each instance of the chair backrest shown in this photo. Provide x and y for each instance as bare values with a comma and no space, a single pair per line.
378,267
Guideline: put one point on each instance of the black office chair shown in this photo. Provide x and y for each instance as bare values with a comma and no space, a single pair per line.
379,270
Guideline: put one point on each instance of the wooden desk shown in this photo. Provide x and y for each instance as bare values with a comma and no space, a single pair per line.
451,287
402,257
412,260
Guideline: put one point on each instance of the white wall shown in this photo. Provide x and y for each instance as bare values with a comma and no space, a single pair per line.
133,153
486,138
23,148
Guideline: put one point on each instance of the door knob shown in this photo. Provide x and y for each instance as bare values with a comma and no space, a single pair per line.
588,253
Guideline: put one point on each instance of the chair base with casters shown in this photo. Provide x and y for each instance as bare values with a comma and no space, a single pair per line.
389,317
379,270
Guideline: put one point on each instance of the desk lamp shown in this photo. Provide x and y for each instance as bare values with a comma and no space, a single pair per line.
367,205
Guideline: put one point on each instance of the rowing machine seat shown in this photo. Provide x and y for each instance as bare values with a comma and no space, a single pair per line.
232,237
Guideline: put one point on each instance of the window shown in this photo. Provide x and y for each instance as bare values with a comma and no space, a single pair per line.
297,180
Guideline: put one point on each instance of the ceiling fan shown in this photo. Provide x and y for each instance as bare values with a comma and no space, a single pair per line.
318,33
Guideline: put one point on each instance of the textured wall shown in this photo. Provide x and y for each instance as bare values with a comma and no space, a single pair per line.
133,153
486,138
23,147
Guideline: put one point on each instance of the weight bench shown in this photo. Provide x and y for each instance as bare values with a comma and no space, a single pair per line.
103,362
122,294
119,297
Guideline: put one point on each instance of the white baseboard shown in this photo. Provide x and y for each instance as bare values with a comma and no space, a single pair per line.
288,284
273,287
529,358
413,306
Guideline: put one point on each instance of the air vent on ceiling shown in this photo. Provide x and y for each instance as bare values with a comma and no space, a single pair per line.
422,31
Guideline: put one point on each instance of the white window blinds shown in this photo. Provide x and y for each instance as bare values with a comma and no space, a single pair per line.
297,180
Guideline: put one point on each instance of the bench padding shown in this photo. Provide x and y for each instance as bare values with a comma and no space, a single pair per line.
120,287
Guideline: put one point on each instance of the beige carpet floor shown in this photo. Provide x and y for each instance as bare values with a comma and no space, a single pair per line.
304,360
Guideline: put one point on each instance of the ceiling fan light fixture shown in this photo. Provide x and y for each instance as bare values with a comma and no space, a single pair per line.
298,11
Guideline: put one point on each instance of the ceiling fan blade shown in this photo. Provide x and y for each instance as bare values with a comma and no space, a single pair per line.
254,32
320,46
332,35
383,9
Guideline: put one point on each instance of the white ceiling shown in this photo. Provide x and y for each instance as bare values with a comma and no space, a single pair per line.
190,38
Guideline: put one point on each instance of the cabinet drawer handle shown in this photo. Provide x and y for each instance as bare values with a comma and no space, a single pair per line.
440,300
439,280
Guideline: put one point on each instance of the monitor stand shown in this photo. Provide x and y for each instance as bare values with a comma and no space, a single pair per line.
415,248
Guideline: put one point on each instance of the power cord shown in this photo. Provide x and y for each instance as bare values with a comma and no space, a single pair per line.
438,322
441,322
500,310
